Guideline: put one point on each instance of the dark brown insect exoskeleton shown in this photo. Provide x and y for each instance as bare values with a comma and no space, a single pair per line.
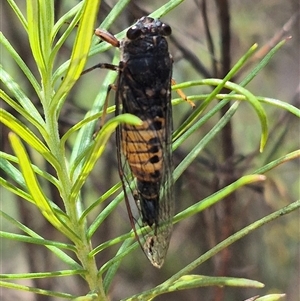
144,89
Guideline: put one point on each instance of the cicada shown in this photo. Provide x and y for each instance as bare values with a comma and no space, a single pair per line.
145,164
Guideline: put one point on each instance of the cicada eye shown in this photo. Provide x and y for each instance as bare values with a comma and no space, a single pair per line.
166,29
133,33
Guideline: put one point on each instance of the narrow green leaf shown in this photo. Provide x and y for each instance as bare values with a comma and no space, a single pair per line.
15,125
187,132
204,141
20,96
18,13
79,53
76,10
280,104
35,34
127,247
58,252
220,84
89,297
112,266
98,148
217,196
257,107
239,89
35,290
19,128
46,11
77,127
103,215
98,48
42,275
163,10
15,174
11,170
24,113
272,297
40,16
17,177
36,241
103,197
112,242
195,281
261,64
15,190
114,13
20,63
64,18
35,189
277,162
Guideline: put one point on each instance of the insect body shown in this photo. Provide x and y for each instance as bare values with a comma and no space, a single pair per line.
144,89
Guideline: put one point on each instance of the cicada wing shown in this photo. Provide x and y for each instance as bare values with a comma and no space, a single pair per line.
145,155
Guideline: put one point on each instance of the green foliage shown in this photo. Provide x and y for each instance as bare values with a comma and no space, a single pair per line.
41,133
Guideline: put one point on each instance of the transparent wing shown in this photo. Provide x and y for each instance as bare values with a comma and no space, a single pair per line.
146,168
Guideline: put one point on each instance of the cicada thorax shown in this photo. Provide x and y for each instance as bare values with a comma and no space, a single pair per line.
144,90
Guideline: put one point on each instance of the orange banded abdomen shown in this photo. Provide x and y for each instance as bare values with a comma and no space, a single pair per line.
142,147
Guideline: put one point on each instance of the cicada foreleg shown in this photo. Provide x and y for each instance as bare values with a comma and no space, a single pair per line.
101,66
109,38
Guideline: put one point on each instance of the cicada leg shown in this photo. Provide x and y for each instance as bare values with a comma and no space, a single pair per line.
109,38
182,95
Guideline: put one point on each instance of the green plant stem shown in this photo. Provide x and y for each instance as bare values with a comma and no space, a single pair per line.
89,263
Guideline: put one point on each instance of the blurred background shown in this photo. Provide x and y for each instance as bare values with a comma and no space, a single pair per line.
208,38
